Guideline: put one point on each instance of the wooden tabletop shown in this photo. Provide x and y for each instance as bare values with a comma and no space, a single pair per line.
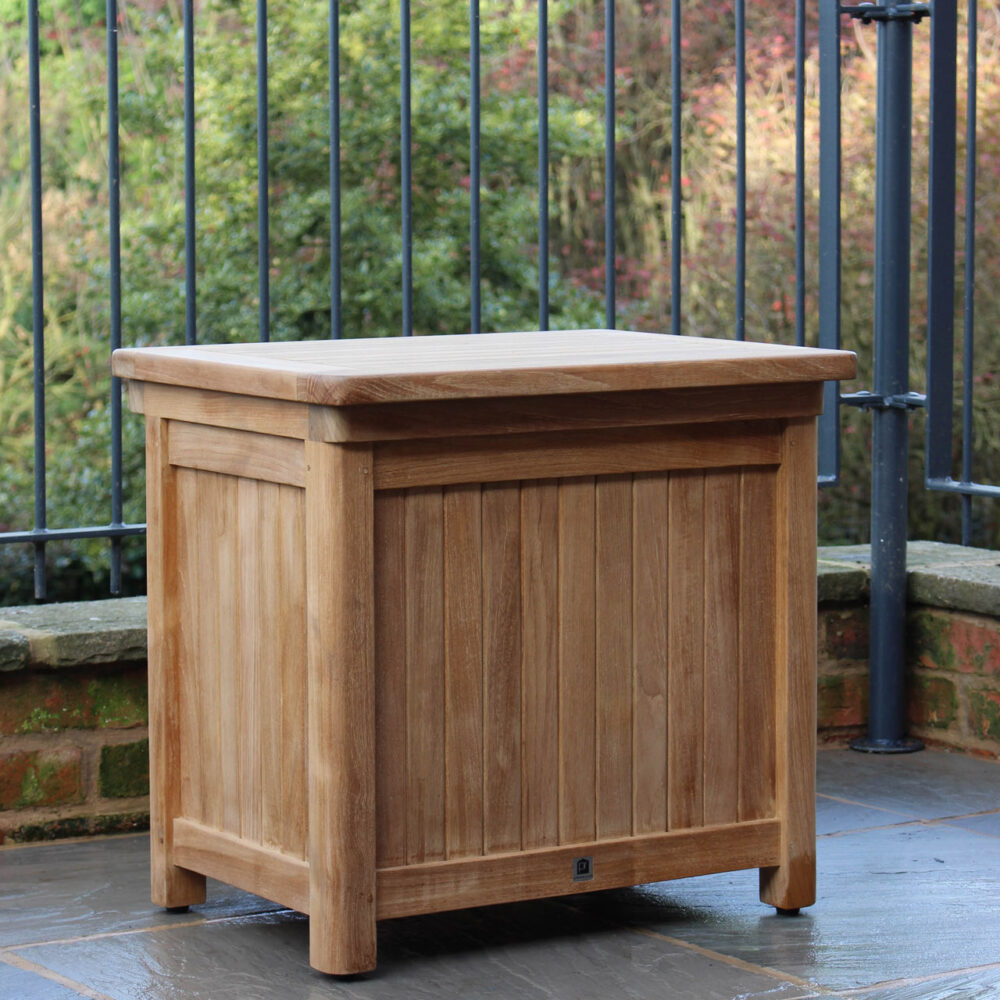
397,369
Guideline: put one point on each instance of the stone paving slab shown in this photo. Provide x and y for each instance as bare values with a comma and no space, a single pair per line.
531,952
927,785
908,909
23,984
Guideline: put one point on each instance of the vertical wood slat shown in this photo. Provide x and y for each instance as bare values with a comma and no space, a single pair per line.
577,744
390,678
222,494
501,548
290,660
685,629
463,665
270,671
613,644
193,735
425,729
252,548
540,659
650,567
209,619
721,645
758,651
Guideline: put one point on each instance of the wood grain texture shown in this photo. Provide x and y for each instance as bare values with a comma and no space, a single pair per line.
395,369
574,453
487,881
613,647
722,647
540,663
425,690
792,883
758,646
237,453
341,708
548,872
390,677
501,668
585,411
686,651
171,885
650,654
225,409
287,591
463,581
577,707
265,871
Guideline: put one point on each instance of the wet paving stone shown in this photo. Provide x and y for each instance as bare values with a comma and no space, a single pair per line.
908,909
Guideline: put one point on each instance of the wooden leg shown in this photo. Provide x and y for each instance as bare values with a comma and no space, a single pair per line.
792,883
341,711
171,886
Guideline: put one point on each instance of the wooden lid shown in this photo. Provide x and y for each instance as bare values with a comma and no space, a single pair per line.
398,369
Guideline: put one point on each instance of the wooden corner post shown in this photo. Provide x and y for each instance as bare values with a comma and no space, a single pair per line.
170,885
792,883
341,707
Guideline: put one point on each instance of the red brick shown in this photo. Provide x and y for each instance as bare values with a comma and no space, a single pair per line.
846,633
984,713
843,700
40,778
931,701
943,640
51,702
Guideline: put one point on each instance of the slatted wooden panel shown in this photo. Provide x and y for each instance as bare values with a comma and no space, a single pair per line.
242,627
562,661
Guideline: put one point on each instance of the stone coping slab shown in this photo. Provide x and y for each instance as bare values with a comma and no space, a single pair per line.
73,634
114,630
956,577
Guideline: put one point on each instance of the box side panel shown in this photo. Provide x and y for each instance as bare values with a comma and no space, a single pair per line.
575,660
242,702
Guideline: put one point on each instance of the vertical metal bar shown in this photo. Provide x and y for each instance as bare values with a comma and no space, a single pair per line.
406,164
741,170
263,180
609,164
336,277
476,317
941,240
969,319
190,245
829,229
115,290
543,164
37,292
886,703
800,172
676,163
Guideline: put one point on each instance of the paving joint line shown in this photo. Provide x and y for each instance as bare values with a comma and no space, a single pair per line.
26,965
860,991
154,928
736,963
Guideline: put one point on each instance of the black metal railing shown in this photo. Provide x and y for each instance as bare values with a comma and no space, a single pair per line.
819,310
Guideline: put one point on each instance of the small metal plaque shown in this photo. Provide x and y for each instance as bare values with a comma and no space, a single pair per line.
583,869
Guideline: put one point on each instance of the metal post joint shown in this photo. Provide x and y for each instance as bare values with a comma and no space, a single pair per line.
868,12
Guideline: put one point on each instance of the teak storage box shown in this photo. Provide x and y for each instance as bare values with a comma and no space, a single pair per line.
448,621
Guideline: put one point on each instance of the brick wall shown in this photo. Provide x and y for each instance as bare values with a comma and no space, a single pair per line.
74,749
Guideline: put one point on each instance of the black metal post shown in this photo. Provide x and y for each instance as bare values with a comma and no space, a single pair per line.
886,709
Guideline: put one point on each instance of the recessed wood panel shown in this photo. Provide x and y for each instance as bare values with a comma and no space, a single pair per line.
582,659
242,678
